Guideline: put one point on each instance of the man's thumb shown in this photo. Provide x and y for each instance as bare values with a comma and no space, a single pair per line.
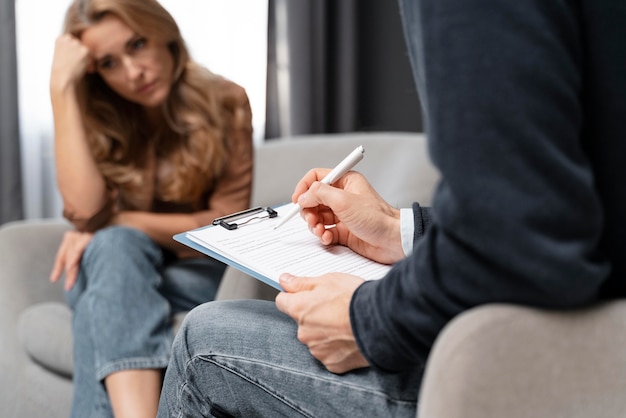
293,284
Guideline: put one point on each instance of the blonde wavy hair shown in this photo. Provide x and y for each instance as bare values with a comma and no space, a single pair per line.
193,146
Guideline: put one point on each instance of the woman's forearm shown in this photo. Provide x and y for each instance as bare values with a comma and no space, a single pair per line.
161,227
81,185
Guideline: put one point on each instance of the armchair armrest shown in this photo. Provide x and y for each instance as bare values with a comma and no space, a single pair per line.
512,361
27,250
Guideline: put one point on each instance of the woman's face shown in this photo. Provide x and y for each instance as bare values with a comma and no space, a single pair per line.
137,68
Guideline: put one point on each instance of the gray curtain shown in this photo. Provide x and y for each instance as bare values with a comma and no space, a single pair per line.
10,172
338,66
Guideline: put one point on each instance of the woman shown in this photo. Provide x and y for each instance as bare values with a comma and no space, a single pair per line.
147,144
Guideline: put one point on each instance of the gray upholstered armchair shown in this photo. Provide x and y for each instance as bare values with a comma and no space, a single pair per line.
35,332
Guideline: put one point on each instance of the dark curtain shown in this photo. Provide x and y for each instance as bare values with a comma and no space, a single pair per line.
10,171
338,66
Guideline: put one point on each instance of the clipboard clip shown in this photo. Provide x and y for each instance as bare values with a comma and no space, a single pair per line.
230,221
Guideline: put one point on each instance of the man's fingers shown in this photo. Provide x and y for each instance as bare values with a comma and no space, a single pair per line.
294,284
287,300
313,175
318,194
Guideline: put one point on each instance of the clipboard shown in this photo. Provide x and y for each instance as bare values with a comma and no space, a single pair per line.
248,242
230,222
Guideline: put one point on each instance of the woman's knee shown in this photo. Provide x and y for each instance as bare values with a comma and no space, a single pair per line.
121,257
118,242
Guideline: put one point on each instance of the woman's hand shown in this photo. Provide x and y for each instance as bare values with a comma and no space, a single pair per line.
350,213
70,63
69,255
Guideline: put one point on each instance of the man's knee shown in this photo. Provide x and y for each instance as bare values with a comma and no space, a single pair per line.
235,327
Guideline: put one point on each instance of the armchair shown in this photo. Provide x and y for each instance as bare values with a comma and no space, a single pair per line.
35,331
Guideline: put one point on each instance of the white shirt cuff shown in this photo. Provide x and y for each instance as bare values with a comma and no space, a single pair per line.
407,230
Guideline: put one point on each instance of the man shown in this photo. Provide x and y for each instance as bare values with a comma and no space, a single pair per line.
524,104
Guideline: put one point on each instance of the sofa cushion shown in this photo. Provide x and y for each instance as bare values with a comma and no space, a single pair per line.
45,332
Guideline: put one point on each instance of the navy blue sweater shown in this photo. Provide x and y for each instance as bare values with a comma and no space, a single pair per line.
525,105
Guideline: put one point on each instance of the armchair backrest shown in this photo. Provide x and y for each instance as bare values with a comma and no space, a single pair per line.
396,164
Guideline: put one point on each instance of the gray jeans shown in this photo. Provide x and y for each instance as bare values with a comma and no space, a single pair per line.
122,305
242,358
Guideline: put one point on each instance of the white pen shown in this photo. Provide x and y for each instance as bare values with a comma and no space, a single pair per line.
342,168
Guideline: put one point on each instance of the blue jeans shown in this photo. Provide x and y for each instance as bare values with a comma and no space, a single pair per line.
122,303
241,358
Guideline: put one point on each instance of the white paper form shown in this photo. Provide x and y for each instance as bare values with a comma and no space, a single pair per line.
292,248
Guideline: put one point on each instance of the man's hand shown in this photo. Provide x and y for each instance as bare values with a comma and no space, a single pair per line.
350,213
321,308
69,255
